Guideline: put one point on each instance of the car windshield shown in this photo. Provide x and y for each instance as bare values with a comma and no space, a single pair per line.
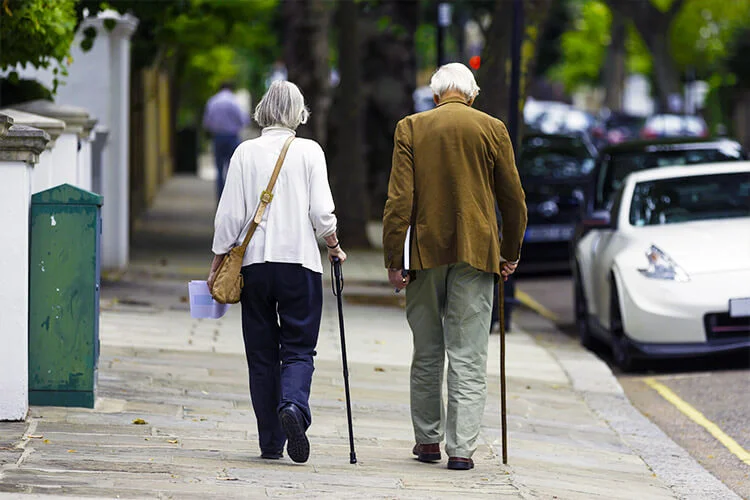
620,165
550,164
684,199
555,158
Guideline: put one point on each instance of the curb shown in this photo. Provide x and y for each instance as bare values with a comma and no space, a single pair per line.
529,302
602,393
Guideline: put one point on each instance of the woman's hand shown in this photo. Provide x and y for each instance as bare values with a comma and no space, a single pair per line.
336,253
211,279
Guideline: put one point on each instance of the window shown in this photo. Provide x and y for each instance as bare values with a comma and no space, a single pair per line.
619,166
685,199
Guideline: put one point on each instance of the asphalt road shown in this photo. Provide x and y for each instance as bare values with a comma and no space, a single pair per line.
719,388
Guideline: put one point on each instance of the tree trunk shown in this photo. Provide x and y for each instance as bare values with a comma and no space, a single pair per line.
390,71
665,74
494,73
741,116
653,26
614,66
536,15
348,172
306,24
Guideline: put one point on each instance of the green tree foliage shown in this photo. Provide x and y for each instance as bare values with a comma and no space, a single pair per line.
699,37
202,42
584,46
702,33
36,32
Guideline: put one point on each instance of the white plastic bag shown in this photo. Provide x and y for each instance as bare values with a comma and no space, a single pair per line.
202,305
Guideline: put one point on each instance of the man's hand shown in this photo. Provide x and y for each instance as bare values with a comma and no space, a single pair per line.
508,268
210,280
397,280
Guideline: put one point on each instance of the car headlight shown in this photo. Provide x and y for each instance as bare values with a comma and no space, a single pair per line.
662,267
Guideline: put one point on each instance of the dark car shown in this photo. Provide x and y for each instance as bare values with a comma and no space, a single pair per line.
555,171
616,162
616,128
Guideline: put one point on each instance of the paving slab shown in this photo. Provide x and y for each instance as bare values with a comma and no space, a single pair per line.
186,380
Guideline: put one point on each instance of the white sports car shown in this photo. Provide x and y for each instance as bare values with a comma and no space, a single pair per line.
668,275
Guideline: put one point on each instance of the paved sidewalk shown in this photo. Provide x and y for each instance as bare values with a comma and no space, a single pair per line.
186,381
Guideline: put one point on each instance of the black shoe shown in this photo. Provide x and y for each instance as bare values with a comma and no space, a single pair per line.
459,463
272,455
293,423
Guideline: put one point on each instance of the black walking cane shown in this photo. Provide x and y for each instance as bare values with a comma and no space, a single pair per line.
337,286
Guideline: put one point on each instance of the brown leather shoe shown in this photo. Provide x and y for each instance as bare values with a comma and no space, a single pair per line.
459,463
427,452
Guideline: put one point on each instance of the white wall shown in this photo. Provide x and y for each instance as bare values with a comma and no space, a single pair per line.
15,198
99,80
41,177
65,160
84,173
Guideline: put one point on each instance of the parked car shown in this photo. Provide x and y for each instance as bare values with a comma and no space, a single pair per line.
669,274
674,126
616,162
616,128
533,109
564,121
554,171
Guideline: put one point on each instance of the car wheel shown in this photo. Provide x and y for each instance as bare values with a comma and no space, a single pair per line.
620,346
582,314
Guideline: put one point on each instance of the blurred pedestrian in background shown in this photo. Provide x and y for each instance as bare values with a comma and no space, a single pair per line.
282,296
450,166
223,118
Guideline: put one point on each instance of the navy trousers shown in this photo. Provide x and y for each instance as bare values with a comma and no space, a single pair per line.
224,146
281,310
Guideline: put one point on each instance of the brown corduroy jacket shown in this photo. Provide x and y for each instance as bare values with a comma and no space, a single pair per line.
449,166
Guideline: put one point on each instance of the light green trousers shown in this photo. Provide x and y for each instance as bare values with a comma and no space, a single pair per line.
449,310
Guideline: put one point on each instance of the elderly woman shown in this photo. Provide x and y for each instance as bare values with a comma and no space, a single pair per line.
282,295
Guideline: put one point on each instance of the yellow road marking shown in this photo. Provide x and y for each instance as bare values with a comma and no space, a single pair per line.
526,299
699,419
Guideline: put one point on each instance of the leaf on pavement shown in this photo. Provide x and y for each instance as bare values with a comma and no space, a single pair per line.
379,369
71,451
172,441
35,436
139,421
227,478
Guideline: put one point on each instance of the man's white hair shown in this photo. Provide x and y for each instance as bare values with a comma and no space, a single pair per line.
282,106
454,76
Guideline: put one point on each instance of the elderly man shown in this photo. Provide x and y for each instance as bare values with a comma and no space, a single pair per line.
450,165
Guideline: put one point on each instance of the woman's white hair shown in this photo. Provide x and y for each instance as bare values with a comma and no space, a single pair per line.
283,106
454,76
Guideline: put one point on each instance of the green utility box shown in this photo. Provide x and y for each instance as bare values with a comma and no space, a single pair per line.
64,296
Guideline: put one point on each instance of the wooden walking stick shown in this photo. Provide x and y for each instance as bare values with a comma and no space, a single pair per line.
503,408
513,131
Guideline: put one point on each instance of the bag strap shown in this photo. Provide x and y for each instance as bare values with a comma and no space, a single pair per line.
267,195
